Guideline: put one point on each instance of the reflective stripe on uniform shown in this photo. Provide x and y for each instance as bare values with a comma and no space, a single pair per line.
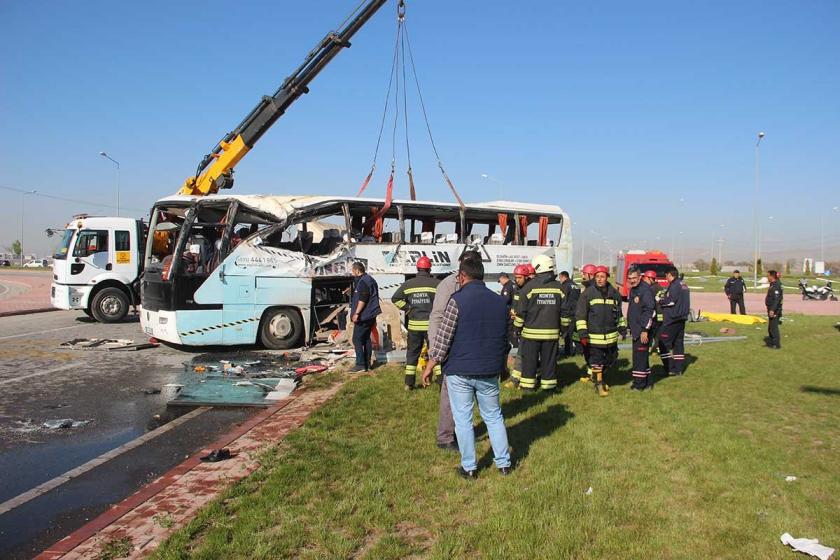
410,371
581,325
425,289
622,322
603,339
418,325
565,321
528,383
400,303
545,291
518,322
601,301
548,384
540,334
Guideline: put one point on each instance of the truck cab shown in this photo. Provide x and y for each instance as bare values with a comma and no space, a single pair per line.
96,266
642,261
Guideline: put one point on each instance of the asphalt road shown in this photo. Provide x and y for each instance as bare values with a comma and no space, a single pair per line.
40,382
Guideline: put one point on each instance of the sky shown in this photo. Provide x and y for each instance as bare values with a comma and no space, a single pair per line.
639,119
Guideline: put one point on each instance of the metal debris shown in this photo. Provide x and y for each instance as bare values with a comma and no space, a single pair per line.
64,423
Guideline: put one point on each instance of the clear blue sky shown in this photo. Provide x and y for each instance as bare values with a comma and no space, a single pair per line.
613,110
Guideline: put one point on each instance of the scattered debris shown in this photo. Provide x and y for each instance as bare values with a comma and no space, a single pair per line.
64,423
151,391
199,369
727,330
588,491
171,390
217,455
811,547
108,344
790,478
56,406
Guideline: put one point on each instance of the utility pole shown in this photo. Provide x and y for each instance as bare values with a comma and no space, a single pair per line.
755,207
106,156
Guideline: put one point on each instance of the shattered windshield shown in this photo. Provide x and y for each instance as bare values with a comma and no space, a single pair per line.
64,244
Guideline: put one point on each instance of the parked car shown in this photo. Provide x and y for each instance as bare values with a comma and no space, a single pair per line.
38,263
5,262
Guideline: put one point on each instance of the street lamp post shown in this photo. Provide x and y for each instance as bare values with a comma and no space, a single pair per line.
822,234
22,198
106,156
755,207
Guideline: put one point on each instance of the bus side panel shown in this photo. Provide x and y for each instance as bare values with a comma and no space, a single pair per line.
197,327
284,292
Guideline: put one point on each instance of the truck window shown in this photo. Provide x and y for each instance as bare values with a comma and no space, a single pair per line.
64,245
122,241
89,242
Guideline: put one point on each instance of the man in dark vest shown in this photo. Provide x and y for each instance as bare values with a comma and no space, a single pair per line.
773,302
364,306
472,344
734,290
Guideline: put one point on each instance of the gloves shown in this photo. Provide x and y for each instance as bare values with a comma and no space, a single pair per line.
623,332
584,337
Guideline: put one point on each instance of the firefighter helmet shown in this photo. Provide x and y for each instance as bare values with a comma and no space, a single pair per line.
650,274
603,269
520,270
543,263
424,263
588,269
531,269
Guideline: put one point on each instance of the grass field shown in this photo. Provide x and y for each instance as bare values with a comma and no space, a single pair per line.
694,469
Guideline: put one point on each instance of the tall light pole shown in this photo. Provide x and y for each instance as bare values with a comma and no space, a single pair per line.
755,207
106,156
822,236
22,198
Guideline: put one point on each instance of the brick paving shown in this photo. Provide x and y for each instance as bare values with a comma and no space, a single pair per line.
179,494
24,291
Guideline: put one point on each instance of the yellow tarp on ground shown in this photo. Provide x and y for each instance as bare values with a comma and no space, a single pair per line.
742,319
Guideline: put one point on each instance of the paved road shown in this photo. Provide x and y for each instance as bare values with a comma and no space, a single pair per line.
21,290
754,303
39,382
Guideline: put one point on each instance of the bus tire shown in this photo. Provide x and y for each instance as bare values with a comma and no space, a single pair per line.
281,328
109,305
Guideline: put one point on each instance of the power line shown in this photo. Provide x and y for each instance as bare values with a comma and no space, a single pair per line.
64,199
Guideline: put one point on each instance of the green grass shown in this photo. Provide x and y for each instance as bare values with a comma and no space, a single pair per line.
693,469
709,283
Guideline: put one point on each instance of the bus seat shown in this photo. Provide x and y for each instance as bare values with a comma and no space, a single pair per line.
497,239
426,237
476,240
452,238
440,238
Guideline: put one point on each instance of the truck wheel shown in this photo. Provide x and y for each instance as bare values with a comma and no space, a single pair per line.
88,313
109,305
281,328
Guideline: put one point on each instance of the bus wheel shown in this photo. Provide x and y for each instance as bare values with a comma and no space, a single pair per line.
281,328
109,305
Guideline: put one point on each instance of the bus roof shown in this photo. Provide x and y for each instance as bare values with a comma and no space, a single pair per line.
282,206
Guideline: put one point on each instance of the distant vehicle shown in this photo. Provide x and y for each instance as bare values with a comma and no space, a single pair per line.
5,262
37,263
641,261
97,265
820,293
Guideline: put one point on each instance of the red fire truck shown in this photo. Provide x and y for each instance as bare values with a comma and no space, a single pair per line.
641,261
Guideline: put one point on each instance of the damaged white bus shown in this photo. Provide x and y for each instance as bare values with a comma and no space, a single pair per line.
275,270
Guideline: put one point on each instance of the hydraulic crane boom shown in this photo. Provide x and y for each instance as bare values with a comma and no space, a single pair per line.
216,168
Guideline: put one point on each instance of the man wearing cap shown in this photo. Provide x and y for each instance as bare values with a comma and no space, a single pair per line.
415,298
675,303
540,312
599,324
641,311
734,290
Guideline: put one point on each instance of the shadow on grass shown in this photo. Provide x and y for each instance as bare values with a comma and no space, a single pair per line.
523,434
820,390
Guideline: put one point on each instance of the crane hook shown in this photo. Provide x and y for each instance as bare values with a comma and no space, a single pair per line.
401,10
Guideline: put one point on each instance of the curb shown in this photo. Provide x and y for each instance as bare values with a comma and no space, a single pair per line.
27,311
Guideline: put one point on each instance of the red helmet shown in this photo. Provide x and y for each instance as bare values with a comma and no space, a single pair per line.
650,274
520,270
603,269
424,263
531,269
588,269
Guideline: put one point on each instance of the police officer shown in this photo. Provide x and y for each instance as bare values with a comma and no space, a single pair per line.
539,311
520,279
599,324
415,298
641,313
773,303
507,289
734,290
571,293
675,304
587,274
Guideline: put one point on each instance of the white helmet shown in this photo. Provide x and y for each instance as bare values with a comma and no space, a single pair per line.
542,263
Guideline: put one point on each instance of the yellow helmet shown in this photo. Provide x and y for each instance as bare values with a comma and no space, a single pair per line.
542,263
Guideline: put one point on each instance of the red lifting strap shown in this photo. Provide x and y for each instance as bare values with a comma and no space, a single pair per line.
365,183
503,223
411,185
543,241
523,227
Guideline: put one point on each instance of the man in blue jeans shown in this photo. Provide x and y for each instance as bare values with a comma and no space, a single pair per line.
472,345
364,306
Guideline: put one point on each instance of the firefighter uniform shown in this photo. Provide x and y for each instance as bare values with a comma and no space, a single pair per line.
539,311
656,344
641,313
675,304
415,298
588,274
734,290
571,294
521,274
599,323
773,302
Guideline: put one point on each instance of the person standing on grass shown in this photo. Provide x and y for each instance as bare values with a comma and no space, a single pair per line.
364,306
773,302
472,344
675,305
445,289
641,313
734,290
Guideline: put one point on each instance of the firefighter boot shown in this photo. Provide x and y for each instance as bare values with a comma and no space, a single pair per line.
588,377
603,390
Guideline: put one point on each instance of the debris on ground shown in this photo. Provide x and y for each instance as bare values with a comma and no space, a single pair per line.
588,491
108,344
56,406
151,391
727,330
217,455
811,547
790,479
64,423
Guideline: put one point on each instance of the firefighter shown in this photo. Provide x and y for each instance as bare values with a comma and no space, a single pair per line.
599,324
587,274
734,290
520,279
649,278
641,315
675,304
773,302
539,311
571,293
415,297
532,272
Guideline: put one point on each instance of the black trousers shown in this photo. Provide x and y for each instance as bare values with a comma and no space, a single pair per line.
362,342
773,331
641,363
739,302
602,357
672,337
542,355
414,346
